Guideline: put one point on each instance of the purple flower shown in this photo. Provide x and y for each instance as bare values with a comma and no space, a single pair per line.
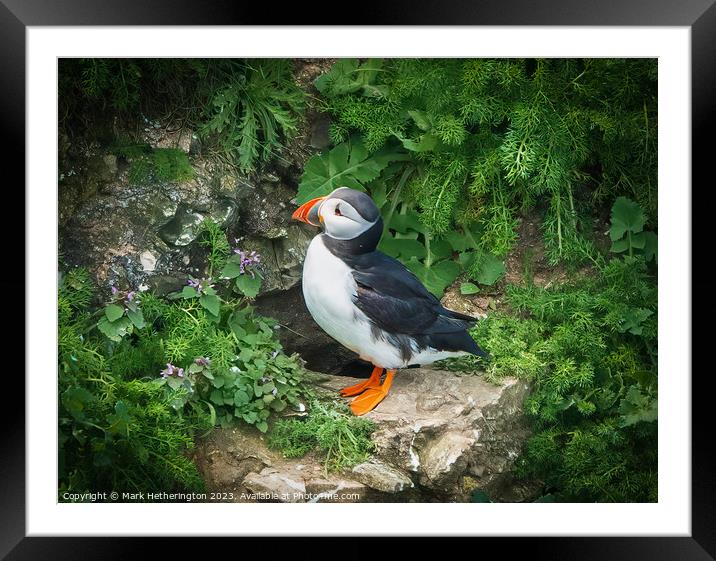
247,259
200,285
130,296
114,290
172,370
202,361
274,354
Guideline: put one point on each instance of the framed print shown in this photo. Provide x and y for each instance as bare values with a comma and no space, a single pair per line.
464,217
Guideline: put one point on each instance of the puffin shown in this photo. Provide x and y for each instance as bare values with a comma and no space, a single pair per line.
369,302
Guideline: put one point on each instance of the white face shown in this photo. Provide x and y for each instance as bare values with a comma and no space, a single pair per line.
341,221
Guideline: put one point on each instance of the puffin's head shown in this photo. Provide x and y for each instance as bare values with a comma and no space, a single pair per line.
345,214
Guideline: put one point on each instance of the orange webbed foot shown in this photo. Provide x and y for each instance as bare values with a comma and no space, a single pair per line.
372,382
372,396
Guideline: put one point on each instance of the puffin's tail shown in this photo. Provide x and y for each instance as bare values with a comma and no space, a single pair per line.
450,333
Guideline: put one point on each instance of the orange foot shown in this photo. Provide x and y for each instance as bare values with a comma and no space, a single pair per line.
372,396
372,382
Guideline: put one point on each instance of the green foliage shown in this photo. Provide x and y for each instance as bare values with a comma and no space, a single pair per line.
346,165
589,346
155,164
141,375
342,438
487,138
468,288
349,76
247,279
115,433
253,379
254,111
245,108
627,228
214,239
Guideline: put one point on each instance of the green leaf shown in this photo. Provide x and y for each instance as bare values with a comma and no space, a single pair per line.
340,79
638,240
637,407
262,426
466,259
137,318
113,312
424,143
212,413
465,239
421,119
278,405
626,216
468,288
404,223
248,285
114,330
174,382
440,249
402,248
189,292
346,165
633,320
437,277
487,269
74,400
210,303
619,246
119,420
650,245
346,77
231,270
241,398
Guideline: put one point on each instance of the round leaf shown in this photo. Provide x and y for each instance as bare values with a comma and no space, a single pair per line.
113,312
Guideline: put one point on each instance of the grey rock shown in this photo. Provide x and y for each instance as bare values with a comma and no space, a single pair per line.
382,477
183,228
440,454
148,260
237,461
335,490
451,433
276,487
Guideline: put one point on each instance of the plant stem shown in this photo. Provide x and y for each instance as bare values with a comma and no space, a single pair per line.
428,255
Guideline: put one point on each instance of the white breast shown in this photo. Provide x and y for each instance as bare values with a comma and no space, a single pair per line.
328,289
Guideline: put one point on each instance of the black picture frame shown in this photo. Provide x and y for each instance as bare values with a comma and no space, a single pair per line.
698,15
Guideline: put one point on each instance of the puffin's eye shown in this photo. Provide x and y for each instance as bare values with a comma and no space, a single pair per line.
337,212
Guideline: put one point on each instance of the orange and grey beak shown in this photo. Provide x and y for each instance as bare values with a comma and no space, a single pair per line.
308,212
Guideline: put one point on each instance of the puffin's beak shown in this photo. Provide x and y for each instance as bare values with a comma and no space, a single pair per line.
308,212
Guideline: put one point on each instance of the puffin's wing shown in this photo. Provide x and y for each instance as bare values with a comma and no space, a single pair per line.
395,300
